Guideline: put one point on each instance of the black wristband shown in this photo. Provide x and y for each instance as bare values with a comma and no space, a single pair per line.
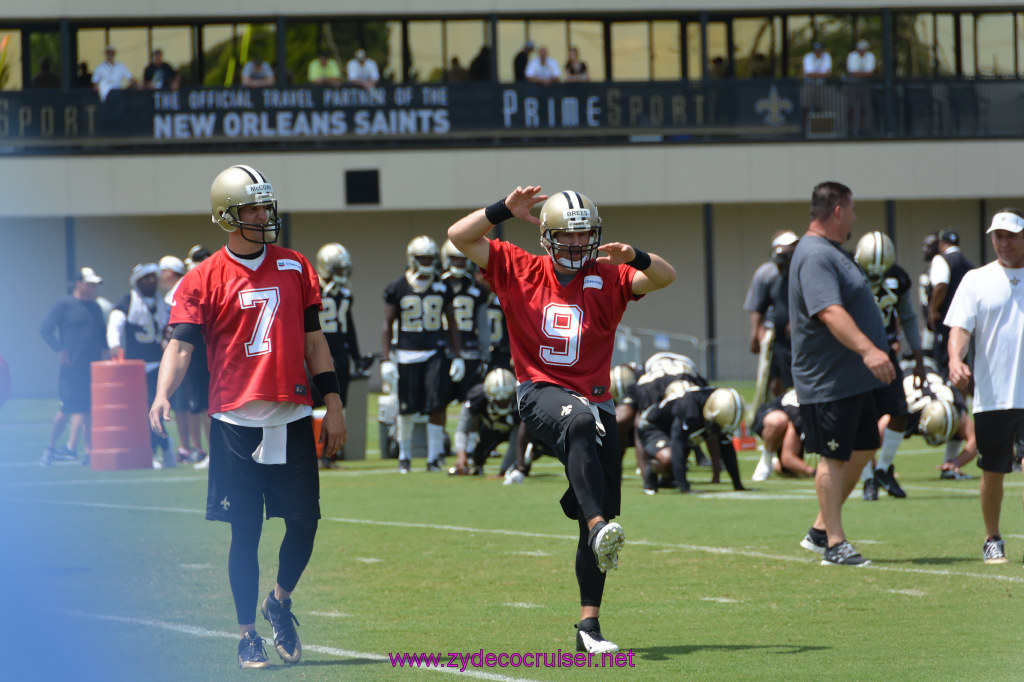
327,382
497,212
641,261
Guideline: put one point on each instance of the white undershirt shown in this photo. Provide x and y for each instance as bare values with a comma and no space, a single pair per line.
939,271
989,303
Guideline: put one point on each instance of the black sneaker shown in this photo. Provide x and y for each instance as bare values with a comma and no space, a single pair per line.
816,540
63,454
843,554
286,639
887,479
589,639
650,481
870,490
994,551
433,467
403,466
251,653
954,475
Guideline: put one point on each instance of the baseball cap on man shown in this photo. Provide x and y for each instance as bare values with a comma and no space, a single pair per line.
172,263
89,276
141,270
785,239
949,236
862,44
1011,222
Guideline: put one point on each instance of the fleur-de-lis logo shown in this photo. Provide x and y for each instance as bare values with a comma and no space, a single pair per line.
773,107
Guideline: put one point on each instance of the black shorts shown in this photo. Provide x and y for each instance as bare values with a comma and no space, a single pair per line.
238,486
198,379
782,364
835,429
542,407
654,440
474,375
74,388
891,399
423,386
1000,435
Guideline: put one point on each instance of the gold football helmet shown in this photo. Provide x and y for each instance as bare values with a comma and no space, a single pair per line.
939,421
453,260
422,256
500,387
569,211
724,407
620,381
876,254
677,389
244,186
334,264
672,364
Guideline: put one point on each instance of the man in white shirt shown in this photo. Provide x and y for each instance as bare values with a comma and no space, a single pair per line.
362,70
860,66
989,304
543,68
111,75
817,67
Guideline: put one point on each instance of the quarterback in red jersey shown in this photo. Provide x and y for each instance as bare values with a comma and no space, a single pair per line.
256,306
562,310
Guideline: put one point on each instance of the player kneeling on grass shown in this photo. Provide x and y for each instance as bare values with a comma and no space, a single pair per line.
257,307
687,416
938,413
780,427
486,420
562,310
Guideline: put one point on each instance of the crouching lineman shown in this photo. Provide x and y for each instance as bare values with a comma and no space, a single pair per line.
780,426
892,287
687,416
938,413
486,421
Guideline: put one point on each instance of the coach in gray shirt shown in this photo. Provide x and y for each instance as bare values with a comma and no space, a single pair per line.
839,359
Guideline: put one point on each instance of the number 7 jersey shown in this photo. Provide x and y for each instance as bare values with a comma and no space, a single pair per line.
560,335
253,325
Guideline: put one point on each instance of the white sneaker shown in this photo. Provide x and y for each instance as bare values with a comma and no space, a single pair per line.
514,476
606,545
764,467
157,464
204,463
591,641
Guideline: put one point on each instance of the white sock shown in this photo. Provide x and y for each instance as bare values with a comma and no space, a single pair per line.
868,472
406,423
435,441
953,447
890,444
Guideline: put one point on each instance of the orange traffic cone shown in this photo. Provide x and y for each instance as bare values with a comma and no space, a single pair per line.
744,441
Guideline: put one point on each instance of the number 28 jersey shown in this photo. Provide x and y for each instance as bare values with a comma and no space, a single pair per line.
560,335
419,325
253,325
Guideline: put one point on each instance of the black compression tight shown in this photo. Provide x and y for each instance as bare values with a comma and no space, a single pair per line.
296,548
584,469
588,575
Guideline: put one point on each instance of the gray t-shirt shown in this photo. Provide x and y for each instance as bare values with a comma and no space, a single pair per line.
823,274
760,283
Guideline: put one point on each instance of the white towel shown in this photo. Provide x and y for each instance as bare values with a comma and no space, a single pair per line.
273,448
140,315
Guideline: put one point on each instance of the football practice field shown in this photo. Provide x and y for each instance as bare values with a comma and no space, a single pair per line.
117,576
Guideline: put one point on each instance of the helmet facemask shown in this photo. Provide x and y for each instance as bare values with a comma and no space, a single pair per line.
267,233
571,256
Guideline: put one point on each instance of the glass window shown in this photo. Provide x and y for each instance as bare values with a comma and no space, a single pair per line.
666,45
994,36
631,51
176,44
694,58
132,48
968,56
945,45
257,40
554,36
43,49
913,45
719,56
90,42
801,35
10,59
588,38
463,40
220,55
511,36
425,45
757,42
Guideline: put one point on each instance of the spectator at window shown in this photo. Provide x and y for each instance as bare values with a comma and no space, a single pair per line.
480,67
860,66
576,70
84,77
323,70
159,75
522,58
718,69
362,70
760,67
817,63
111,75
543,68
257,73
457,73
45,79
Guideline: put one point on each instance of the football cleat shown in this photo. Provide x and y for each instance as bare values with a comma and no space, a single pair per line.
606,539
251,653
513,477
403,466
870,490
283,621
815,541
887,479
590,640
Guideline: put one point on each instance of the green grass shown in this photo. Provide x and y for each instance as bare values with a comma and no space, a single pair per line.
116,576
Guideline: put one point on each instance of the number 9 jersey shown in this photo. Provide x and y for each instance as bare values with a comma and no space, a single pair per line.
563,335
253,324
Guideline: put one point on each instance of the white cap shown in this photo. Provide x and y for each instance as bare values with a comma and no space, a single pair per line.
785,239
360,53
141,270
110,48
89,276
862,44
172,263
1010,222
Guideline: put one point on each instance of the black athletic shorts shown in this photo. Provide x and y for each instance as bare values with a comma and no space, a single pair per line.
424,386
1000,435
74,387
836,428
238,486
654,440
782,363
891,399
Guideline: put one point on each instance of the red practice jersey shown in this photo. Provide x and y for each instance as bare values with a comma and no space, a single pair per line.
560,335
253,325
